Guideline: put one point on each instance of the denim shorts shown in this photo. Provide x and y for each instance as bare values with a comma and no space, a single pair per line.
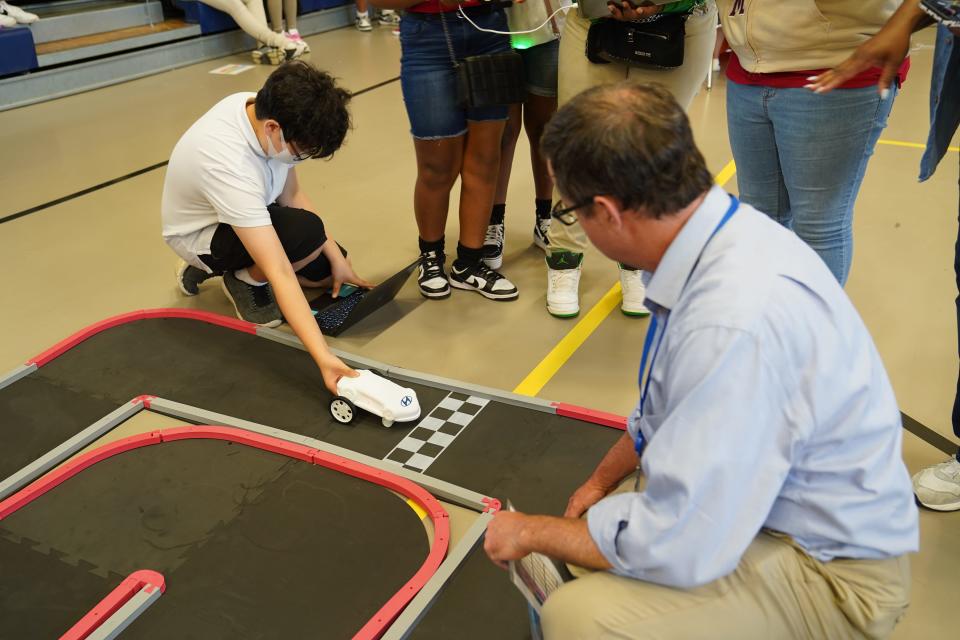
540,65
427,77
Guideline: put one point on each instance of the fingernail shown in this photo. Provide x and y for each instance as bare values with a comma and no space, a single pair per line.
884,94
809,86
813,78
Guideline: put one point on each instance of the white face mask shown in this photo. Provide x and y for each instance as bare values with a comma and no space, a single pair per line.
283,153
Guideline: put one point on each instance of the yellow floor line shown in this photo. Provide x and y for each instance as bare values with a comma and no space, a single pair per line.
911,145
537,379
417,508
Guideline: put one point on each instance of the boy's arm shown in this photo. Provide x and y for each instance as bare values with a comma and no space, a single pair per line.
264,247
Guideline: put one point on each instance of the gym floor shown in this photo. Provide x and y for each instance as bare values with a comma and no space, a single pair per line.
80,241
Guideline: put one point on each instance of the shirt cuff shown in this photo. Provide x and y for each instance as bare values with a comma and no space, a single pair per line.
607,521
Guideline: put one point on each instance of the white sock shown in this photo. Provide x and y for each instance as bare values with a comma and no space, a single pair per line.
363,14
244,276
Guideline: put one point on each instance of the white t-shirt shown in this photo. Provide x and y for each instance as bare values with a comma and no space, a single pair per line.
218,173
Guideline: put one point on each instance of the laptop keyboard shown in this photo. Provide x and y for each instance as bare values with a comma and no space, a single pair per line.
336,314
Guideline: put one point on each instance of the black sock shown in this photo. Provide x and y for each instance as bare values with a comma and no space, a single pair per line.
431,246
467,257
497,214
543,208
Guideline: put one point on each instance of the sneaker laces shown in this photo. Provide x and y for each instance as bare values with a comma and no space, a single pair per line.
432,265
262,295
487,273
949,468
560,278
494,234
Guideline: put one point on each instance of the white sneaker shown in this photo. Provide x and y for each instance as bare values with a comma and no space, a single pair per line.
18,14
7,21
563,283
634,293
299,49
493,245
938,487
363,23
389,17
541,233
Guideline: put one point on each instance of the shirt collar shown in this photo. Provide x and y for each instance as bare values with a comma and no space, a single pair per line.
247,127
666,283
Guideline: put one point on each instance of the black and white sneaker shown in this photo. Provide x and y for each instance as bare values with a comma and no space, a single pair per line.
493,246
483,280
432,280
253,304
189,278
541,230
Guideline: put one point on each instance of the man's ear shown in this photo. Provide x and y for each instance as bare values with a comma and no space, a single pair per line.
610,209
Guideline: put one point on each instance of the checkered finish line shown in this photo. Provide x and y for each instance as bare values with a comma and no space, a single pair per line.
436,432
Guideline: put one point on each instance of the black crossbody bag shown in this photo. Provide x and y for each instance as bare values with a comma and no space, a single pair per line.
654,42
488,80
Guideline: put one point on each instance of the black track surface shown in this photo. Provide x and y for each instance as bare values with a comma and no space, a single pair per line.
533,458
252,545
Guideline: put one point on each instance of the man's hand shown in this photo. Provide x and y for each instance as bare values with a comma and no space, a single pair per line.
503,538
589,494
342,273
626,12
332,369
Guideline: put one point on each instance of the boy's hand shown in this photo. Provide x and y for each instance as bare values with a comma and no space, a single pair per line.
332,369
342,272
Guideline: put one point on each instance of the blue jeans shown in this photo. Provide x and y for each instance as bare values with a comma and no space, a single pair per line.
801,158
427,77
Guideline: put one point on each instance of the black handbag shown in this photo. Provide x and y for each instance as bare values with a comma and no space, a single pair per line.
488,80
654,42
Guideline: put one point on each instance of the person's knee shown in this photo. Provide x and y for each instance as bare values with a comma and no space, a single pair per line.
572,612
436,174
319,268
482,164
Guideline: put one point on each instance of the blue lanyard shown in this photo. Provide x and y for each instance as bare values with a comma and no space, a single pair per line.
640,441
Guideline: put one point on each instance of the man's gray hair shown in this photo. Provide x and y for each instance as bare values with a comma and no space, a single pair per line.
628,140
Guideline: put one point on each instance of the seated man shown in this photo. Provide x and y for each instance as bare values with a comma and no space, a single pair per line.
776,503
233,206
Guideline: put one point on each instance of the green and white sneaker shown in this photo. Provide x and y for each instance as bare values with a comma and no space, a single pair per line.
634,292
563,283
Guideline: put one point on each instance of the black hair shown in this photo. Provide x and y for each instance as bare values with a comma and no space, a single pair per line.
627,140
309,107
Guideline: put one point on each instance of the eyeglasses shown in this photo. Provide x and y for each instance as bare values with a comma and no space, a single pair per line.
563,214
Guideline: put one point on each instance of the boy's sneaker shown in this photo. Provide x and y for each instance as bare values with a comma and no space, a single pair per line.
189,278
540,231
299,49
634,292
363,23
293,35
563,283
483,280
389,17
938,487
493,246
432,280
253,304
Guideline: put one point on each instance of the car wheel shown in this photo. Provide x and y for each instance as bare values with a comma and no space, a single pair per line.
342,410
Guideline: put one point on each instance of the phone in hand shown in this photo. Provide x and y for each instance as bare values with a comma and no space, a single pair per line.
946,12
347,289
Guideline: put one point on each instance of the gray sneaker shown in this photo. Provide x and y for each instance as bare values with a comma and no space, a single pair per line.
253,304
189,278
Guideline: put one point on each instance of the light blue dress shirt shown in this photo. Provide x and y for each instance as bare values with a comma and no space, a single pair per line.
768,406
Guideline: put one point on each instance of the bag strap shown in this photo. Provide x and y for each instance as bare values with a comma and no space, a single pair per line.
446,33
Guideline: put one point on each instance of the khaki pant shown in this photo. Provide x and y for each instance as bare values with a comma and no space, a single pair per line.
777,592
577,74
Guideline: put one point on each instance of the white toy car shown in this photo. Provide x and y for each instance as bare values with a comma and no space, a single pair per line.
377,395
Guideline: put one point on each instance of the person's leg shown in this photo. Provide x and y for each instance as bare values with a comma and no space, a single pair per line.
754,146
824,143
438,164
776,591
508,145
363,16
275,10
956,272
251,18
478,175
290,14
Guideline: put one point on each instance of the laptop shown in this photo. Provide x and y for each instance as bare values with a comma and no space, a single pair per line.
336,315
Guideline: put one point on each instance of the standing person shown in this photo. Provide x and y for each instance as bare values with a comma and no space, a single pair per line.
283,19
540,64
388,17
249,15
936,487
566,239
233,206
776,502
450,140
801,156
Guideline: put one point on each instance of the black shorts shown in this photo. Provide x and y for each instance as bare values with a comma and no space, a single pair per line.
301,233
